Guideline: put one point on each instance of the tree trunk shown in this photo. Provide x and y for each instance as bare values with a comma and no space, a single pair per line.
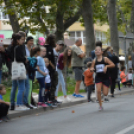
12,17
132,18
59,22
111,9
87,14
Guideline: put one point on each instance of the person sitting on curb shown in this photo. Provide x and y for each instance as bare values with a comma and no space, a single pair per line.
4,106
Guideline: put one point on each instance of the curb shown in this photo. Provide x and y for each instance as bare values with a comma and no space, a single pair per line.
40,110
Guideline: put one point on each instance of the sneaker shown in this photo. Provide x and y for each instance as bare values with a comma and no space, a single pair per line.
57,102
90,100
21,108
106,100
73,95
4,119
79,96
67,99
48,104
100,108
34,107
28,106
39,103
53,105
44,105
112,96
12,107
7,118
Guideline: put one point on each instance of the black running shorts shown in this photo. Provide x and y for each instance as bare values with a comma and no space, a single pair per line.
105,81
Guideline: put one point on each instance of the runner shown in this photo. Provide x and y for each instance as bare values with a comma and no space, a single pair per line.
101,64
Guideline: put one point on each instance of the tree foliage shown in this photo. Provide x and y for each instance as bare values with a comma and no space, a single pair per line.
39,19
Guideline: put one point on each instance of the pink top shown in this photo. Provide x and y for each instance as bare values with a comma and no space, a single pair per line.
60,64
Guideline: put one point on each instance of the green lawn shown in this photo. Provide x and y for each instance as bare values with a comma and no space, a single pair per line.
70,87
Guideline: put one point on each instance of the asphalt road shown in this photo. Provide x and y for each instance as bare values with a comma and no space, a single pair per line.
116,118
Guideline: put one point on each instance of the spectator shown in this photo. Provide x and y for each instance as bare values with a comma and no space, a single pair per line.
29,45
16,47
123,76
98,43
40,75
64,60
89,81
4,106
50,44
88,59
31,68
132,57
47,84
56,51
118,78
2,61
113,72
77,64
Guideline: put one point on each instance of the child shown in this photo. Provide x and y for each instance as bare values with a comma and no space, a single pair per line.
4,106
89,81
40,75
47,84
123,76
31,67
101,64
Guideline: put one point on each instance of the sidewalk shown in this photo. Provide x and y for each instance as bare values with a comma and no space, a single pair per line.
74,101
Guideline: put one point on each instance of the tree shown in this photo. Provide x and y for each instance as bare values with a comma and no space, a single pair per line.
132,18
88,21
61,15
113,25
13,17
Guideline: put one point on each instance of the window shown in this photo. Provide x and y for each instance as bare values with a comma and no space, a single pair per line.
3,16
100,36
77,34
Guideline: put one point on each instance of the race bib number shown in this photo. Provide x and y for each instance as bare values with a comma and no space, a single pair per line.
100,68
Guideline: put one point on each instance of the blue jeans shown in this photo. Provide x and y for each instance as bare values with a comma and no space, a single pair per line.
62,82
0,76
42,89
21,87
13,91
26,91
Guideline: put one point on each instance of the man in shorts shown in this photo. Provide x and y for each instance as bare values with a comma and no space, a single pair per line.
77,64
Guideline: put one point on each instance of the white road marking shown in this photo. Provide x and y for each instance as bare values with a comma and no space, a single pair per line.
124,131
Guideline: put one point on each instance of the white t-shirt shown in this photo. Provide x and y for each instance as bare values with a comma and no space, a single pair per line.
129,76
47,78
56,56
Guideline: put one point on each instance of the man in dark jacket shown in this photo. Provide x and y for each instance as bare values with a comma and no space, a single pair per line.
113,72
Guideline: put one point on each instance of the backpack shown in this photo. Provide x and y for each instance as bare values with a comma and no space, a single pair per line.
31,66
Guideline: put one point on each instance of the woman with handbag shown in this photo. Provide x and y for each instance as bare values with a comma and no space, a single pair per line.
18,58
